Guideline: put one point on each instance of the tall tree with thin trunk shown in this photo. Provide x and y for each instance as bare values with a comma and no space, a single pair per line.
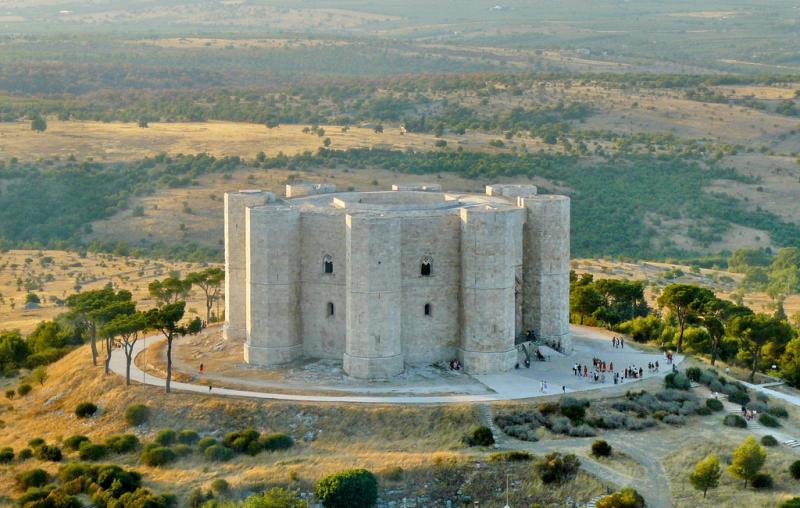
706,474
169,290
166,319
83,308
748,459
684,302
210,282
126,330
104,316
755,331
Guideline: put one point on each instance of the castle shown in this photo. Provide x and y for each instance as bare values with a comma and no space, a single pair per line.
388,278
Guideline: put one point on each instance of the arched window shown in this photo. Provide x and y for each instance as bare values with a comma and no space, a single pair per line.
331,309
426,266
327,264
428,309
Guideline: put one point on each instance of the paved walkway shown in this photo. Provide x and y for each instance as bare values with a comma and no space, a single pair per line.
518,384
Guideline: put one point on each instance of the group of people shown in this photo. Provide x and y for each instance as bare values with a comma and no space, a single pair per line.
618,342
455,364
749,414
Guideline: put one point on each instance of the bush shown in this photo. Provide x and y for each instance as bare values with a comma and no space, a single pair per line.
123,443
675,420
205,443
555,468
220,487
31,478
6,455
762,481
188,437
676,381
355,488
794,469
702,411
768,421
792,503
25,454
548,408
36,442
769,441
480,436
714,405
198,498
24,389
739,397
218,453
274,442
92,452
625,498
601,448
572,408
136,414
157,456
74,442
694,374
85,410
182,450
10,394
166,437
777,411
47,452
510,456
734,421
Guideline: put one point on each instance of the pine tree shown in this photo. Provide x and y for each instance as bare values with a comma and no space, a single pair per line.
748,459
706,474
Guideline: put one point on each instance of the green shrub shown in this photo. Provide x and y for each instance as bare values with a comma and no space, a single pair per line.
694,374
510,456
601,448
158,456
768,420
739,397
274,442
769,441
714,404
734,421
122,443
220,487
166,437
6,455
243,441
218,453
85,410
31,478
24,389
205,443
188,436
48,452
36,442
136,414
555,468
10,393
792,503
548,408
355,488
92,452
182,450
777,411
702,411
572,408
762,481
199,498
480,436
74,442
794,469
625,498
676,381
25,454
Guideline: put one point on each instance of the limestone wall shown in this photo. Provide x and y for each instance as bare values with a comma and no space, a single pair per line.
487,291
273,244
546,268
374,348
235,270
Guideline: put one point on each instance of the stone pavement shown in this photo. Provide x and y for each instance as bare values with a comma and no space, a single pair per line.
522,383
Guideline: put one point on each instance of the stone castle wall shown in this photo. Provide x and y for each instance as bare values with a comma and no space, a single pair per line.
498,266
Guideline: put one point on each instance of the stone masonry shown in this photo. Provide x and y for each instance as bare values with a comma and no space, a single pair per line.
383,279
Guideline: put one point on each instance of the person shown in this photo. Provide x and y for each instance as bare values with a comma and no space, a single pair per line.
209,387
201,368
563,389
641,372
622,342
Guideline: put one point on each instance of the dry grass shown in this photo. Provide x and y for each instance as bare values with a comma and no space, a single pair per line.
57,274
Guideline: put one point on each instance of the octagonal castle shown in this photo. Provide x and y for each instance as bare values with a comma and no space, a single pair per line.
381,279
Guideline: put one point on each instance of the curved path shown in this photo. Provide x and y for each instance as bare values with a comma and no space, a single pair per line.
515,385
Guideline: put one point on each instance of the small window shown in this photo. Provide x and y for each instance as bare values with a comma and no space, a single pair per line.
428,309
331,309
327,264
426,266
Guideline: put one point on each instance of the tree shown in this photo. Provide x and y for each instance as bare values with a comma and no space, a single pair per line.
713,316
169,290
584,300
625,498
39,375
755,331
125,329
354,488
13,350
706,474
104,316
684,302
210,282
166,319
83,308
38,123
748,459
